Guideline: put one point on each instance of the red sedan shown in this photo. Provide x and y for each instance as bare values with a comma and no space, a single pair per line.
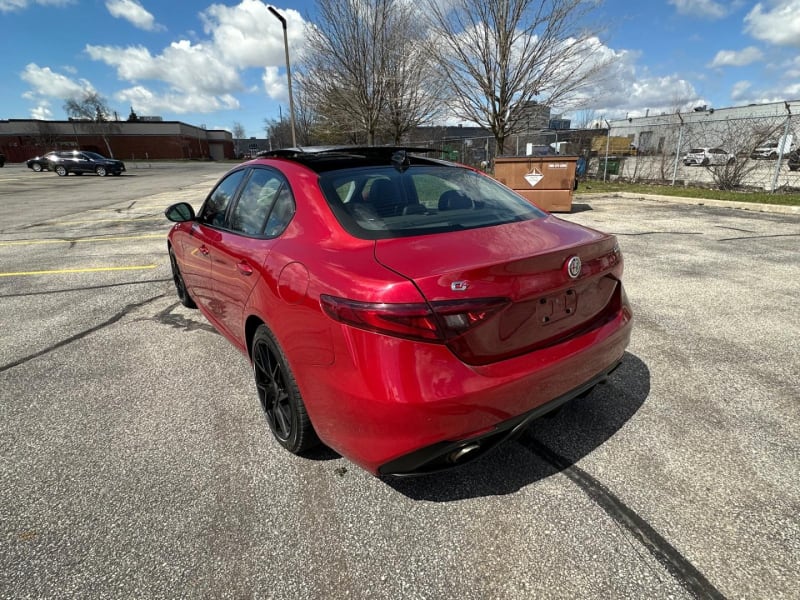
408,312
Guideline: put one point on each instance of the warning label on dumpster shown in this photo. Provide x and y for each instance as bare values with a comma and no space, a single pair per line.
534,177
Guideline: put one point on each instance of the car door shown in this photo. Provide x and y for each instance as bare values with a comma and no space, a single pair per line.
68,159
260,213
204,235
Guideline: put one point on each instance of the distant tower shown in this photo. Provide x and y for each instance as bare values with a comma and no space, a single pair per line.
132,116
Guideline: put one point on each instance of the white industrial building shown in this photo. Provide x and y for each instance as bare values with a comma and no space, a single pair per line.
737,129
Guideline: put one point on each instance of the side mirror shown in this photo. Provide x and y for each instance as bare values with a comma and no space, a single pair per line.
180,212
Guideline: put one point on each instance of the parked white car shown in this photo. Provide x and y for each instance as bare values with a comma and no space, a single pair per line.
770,149
708,156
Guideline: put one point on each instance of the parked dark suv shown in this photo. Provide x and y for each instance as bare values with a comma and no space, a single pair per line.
80,162
2,160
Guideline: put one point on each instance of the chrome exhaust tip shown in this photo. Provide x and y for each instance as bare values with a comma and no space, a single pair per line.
460,453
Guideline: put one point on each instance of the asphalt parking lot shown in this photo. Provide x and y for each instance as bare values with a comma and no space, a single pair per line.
135,462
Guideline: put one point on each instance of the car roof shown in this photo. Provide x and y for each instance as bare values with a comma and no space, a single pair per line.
329,158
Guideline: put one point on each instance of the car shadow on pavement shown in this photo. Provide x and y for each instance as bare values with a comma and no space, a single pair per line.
579,208
550,445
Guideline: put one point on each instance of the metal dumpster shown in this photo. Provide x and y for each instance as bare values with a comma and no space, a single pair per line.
546,181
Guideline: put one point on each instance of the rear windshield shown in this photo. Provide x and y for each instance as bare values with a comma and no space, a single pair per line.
382,202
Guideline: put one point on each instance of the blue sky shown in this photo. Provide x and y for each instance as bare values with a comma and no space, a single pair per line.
216,64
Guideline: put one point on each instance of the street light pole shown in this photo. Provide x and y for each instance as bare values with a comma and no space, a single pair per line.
288,70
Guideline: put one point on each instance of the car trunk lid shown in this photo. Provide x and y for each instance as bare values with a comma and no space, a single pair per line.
521,272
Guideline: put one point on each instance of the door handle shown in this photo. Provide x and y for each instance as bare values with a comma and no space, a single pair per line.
244,268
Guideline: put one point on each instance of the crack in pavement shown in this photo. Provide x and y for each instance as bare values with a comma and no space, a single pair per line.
125,311
82,289
665,553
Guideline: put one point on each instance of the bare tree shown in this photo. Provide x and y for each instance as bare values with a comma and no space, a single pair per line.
415,93
238,132
306,118
92,107
364,72
501,56
278,132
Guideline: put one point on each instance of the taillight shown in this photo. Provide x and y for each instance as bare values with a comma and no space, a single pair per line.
437,322
459,316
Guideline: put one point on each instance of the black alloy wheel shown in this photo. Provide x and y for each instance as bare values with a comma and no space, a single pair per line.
180,286
279,395
61,171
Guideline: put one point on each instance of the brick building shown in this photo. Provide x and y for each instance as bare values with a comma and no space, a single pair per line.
21,139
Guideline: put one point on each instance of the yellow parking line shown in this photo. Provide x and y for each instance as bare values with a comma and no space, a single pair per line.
98,239
161,218
87,270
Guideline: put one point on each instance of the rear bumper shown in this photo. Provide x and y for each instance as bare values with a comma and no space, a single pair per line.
447,454
400,407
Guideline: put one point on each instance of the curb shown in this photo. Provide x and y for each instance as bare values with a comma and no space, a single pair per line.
749,206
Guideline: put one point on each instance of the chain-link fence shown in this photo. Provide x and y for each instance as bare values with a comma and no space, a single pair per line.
474,151
480,151
730,153
721,151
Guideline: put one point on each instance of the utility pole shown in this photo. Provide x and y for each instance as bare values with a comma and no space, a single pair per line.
279,16
781,144
678,149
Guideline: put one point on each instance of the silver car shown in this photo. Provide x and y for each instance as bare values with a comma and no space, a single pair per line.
708,156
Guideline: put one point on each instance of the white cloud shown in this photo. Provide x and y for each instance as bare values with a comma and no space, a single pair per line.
248,35
740,91
792,68
627,89
42,111
744,92
16,5
275,85
145,101
737,58
48,84
184,78
201,76
709,9
776,22
187,68
133,12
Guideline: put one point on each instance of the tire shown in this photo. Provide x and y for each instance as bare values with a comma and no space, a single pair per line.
180,286
101,171
61,171
731,160
705,162
773,155
36,167
279,395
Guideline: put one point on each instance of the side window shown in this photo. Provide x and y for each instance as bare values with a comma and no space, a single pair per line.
281,214
255,202
213,211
